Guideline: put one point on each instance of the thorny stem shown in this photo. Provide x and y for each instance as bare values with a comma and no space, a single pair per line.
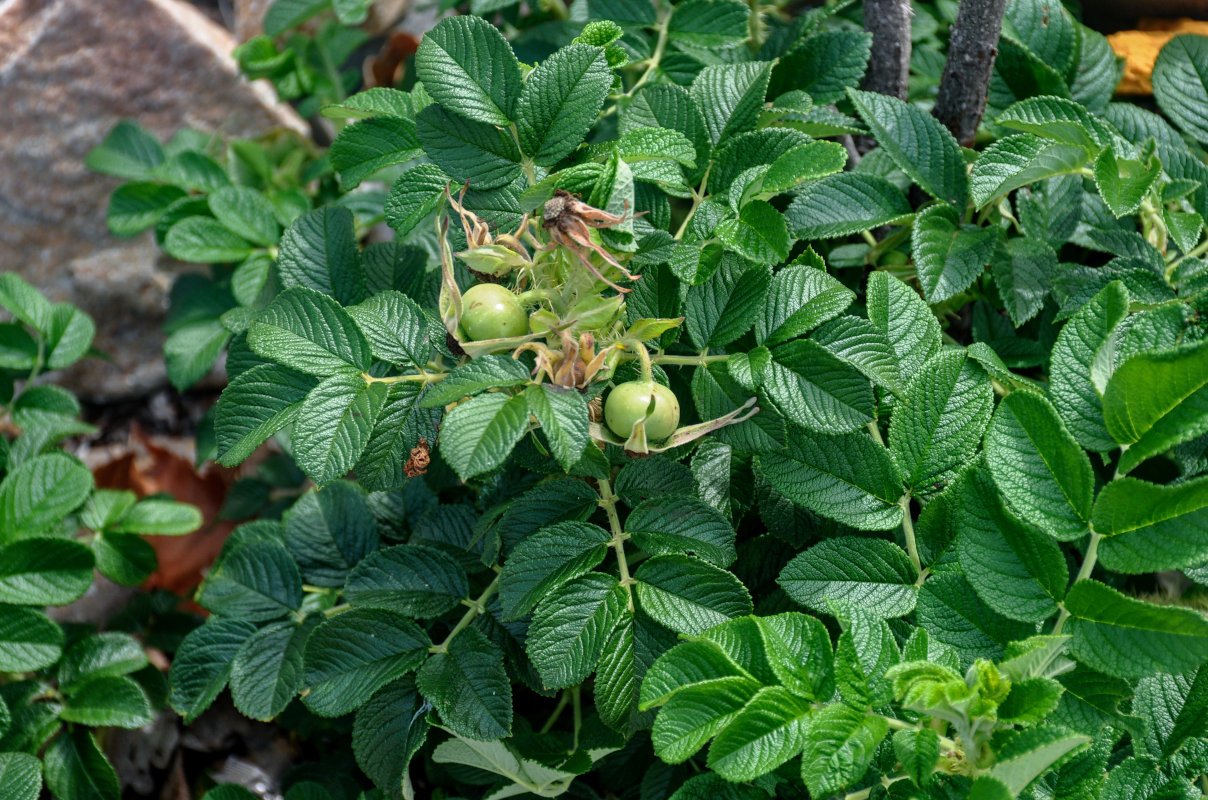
644,356
479,606
608,501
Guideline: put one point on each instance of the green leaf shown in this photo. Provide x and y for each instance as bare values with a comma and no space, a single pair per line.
411,579
759,234
547,559
1127,638
730,97
560,100
157,517
285,14
333,425
328,532
824,65
1147,528
308,331
191,351
18,350
1180,84
872,573
918,143
1030,753
1022,272
387,732
944,412
319,251
1080,356
953,613
254,406
111,702
564,420
770,730
716,394
135,207
128,152
1014,567
848,478
569,628
101,655
401,424
816,389
376,102
205,241
247,213
76,769
44,572
709,23
395,328
25,302
203,664
1019,160
798,650
415,194
362,149
688,595
629,650
124,558
480,374
30,641
801,298
469,687
468,67
267,671
918,752
677,525
40,492
721,309
1156,400
479,434
949,256
20,776
1058,119
466,150
843,204
668,106
1124,183
255,581
352,655
1038,467
696,714
805,162
839,748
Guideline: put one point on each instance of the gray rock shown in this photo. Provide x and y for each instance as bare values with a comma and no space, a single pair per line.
69,71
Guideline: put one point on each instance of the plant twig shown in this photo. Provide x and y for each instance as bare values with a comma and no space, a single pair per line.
961,100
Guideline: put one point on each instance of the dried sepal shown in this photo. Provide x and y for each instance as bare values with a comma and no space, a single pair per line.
636,444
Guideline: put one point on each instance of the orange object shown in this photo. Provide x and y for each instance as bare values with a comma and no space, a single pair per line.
1139,49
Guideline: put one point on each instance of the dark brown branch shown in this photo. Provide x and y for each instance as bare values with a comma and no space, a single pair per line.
889,67
971,52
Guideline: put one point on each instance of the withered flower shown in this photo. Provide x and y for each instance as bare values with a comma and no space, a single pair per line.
572,367
488,254
569,220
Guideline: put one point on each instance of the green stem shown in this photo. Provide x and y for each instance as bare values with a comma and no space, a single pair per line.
422,377
875,432
698,197
340,609
652,63
1194,252
644,357
912,547
686,361
576,697
608,501
479,606
563,702
1088,566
